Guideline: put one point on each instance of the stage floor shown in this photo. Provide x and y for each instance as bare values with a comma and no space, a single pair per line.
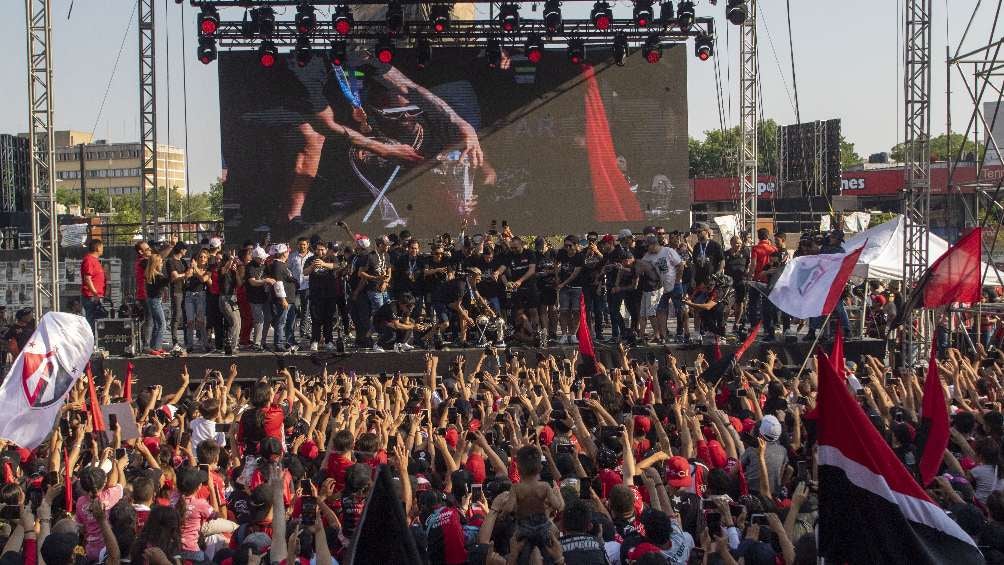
166,371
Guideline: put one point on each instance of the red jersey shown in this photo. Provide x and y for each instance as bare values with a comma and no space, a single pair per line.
761,253
91,267
335,469
140,273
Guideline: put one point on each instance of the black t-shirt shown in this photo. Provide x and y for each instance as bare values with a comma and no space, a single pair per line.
488,287
172,265
256,294
408,274
279,271
377,265
156,288
321,279
547,262
456,290
519,263
567,264
737,263
194,283
437,281
386,313
648,276
359,261
708,259
583,549
592,269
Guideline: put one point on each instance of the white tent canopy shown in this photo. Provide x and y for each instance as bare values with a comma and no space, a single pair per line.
882,257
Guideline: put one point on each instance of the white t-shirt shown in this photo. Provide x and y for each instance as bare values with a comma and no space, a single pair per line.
665,261
203,429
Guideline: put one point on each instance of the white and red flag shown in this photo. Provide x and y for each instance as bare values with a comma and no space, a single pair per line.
810,286
41,376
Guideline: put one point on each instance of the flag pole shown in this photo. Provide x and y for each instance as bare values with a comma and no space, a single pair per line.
805,361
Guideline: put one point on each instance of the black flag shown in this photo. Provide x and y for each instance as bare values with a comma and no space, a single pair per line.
382,536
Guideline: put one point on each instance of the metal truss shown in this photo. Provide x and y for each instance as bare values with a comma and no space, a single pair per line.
149,216
917,166
45,247
748,115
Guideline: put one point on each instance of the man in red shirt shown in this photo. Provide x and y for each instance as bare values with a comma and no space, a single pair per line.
760,254
92,280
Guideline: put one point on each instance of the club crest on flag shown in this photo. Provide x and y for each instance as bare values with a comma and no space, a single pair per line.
807,277
43,379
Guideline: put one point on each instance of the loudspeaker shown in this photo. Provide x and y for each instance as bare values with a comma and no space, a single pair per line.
118,336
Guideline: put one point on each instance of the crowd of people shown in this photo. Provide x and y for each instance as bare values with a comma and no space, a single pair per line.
391,292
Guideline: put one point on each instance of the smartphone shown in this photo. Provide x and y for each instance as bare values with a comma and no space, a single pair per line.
639,410
803,401
559,414
392,442
802,470
713,519
477,491
441,431
451,413
593,395
120,453
701,408
538,390
585,491
64,429
113,421
305,485
742,393
759,519
581,403
223,428
10,512
308,510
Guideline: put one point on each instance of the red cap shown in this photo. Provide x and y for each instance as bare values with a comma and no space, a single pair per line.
474,425
642,424
476,466
678,471
608,239
452,437
737,424
642,549
749,424
309,450
152,444
546,435
717,454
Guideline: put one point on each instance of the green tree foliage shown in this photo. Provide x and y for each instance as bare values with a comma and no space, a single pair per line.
126,208
848,156
944,148
717,154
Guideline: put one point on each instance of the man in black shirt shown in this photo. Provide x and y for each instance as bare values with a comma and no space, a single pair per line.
177,272
281,294
547,286
708,255
570,282
357,299
436,273
407,274
230,277
580,544
320,270
737,266
257,284
520,267
394,324
489,286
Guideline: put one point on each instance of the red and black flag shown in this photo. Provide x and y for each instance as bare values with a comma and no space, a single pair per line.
587,355
933,434
871,510
724,364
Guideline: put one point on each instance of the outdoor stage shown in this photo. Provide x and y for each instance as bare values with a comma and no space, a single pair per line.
167,371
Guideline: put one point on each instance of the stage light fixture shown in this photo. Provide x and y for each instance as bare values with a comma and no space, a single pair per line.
620,48
652,48
534,48
643,13
602,15
263,21
342,18
302,52
509,16
207,50
576,51
267,54
493,52
685,14
209,21
439,17
395,18
665,12
704,48
338,52
306,19
736,11
385,50
423,52
552,16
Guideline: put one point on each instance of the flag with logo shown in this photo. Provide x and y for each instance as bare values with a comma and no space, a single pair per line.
810,286
41,376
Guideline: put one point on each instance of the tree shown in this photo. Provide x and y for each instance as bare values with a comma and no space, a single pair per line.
717,155
216,199
944,148
97,199
848,156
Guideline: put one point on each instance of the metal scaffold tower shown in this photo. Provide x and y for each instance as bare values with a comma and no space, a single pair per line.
148,119
917,169
45,247
749,110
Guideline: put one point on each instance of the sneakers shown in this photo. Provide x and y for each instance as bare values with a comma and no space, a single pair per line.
292,348
329,346
572,340
313,346
176,349
406,347
378,349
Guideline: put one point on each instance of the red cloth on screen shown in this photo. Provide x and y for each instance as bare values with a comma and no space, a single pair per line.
612,196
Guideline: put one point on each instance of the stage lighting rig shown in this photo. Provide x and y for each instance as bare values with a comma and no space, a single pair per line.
552,16
509,16
262,23
493,52
385,50
306,19
267,54
643,13
423,52
576,51
703,47
302,52
602,16
342,19
337,53
209,21
666,13
207,50
395,18
685,14
652,48
439,17
534,48
737,11
620,48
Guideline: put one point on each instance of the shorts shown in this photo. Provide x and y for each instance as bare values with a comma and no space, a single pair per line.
548,296
525,298
664,301
649,302
568,298
741,290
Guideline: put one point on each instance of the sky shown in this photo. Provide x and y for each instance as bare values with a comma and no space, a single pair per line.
846,62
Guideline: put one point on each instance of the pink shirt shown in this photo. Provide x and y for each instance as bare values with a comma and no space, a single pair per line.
197,512
109,496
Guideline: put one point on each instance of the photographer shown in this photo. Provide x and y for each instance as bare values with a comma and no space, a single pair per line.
394,325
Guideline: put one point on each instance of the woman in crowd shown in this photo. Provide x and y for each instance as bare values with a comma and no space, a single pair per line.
156,285
195,301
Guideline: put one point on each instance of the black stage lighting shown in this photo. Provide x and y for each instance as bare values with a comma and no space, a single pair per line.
552,16
267,54
306,19
439,17
207,50
685,14
509,16
385,50
665,12
602,15
395,18
736,11
263,21
493,52
576,51
423,52
302,52
534,48
620,48
209,21
342,18
643,13
338,52
652,49
704,48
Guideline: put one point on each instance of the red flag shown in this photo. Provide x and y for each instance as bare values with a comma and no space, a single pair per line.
67,479
98,418
837,353
955,276
127,385
933,433
585,339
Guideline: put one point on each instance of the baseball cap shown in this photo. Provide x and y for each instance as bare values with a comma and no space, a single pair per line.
770,428
474,271
624,233
678,471
258,253
651,240
280,248
362,241
215,243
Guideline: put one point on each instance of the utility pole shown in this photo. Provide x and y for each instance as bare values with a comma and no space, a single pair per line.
83,178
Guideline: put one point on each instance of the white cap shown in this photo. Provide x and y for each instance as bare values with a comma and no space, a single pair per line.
624,233
279,249
363,242
258,253
215,243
